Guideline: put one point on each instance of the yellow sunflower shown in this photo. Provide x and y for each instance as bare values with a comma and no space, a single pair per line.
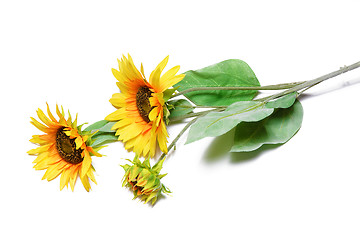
140,106
63,150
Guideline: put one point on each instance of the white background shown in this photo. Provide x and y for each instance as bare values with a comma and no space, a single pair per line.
63,51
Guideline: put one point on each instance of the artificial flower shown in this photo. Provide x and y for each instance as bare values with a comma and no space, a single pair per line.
140,106
144,180
64,149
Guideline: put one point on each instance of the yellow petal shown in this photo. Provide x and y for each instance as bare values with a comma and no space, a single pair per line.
122,123
130,132
152,142
74,124
37,139
85,182
73,176
155,75
86,163
51,173
61,115
117,115
90,174
79,142
169,74
64,179
140,143
44,118
162,142
41,162
38,125
41,157
69,119
170,82
134,69
153,114
118,100
142,70
39,149
50,114
155,79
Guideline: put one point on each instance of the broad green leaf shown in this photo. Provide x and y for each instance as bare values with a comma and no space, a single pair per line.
107,127
179,108
283,102
96,126
217,123
275,129
229,73
104,138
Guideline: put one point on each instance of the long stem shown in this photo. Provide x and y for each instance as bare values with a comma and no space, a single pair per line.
196,114
294,87
315,81
269,87
172,144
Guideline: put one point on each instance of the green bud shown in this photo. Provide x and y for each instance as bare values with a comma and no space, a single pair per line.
144,180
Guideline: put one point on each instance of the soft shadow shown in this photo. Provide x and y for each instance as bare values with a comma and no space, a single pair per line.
160,198
220,148
243,157
339,86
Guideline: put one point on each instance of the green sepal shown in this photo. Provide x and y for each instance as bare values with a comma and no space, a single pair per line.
158,166
166,114
162,175
146,177
80,126
168,93
146,163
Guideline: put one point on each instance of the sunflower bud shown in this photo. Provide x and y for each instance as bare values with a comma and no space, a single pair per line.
144,180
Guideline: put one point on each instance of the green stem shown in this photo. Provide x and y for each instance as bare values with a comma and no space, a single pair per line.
172,144
199,106
269,87
197,114
308,84
291,87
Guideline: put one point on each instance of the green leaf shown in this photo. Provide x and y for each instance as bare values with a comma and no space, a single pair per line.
104,138
283,102
217,123
179,108
233,73
107,127
96,125
275,129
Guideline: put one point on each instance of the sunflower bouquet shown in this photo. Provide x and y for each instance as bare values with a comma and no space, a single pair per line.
212,101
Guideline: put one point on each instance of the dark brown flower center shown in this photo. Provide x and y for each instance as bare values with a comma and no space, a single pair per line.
143,104
66,148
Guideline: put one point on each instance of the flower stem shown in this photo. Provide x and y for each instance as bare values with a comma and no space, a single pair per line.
172,144
290,88
269,87
308,84
196,114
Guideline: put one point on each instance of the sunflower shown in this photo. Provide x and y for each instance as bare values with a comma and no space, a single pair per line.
64,150
144,180
140,106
